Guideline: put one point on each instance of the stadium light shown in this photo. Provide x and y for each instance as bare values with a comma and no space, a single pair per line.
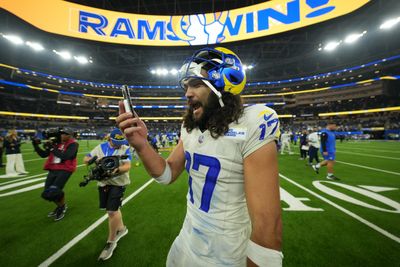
81,59
63,54
247,67
14,39
389,23
351,38
332,45
174,71
35,46
162,72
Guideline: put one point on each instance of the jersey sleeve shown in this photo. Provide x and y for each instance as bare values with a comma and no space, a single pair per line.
129,154
95,152
262,128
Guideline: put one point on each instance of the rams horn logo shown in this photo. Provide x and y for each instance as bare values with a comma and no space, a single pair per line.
119,137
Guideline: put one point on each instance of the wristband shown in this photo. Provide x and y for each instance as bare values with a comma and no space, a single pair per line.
166,177
264,257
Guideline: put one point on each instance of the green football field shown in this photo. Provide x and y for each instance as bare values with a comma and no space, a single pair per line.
352,222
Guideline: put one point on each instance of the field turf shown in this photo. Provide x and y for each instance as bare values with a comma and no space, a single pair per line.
352,222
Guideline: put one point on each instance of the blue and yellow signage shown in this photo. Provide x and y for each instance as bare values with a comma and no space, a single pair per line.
253,21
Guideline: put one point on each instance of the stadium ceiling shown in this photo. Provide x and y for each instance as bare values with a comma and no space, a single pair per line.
280,56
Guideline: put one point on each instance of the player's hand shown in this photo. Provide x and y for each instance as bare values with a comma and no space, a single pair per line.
325,153
133,127
115,171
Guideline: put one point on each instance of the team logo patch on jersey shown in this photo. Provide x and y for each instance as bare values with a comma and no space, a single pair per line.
267,113
201,139
236,133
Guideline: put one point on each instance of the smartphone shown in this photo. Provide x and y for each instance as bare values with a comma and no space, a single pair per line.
127,100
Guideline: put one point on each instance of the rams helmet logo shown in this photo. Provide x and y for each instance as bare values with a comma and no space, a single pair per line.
224,69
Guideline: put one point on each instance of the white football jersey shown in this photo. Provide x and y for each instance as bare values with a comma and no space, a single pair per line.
216,198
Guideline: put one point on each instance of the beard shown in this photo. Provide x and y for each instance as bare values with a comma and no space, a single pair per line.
209,108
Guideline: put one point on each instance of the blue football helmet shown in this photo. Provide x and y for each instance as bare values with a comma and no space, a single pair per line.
224,70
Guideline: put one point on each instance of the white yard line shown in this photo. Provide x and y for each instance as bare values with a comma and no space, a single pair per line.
5,187
25,178
369,149
21,179
29,177
351,214
25,189
366,167
79,237
29,188
45,158
366,155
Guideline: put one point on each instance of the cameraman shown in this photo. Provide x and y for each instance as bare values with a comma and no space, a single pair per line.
61,163
111,190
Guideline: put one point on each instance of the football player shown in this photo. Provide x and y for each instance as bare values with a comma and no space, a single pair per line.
328,150
229,152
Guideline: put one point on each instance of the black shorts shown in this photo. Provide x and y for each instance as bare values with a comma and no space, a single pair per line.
57,178
110,197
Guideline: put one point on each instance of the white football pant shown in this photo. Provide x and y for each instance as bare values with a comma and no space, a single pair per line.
286,145
15,164
196,248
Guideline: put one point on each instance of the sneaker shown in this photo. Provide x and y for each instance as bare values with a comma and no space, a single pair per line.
137,164
332,177
60,213
107,251
315,168
52,213
23,173
120,234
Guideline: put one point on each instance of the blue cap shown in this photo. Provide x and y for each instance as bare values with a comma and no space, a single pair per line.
118,138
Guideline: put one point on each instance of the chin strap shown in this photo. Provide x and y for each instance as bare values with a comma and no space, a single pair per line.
218,93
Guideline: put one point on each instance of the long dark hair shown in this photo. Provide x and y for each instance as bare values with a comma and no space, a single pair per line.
216,119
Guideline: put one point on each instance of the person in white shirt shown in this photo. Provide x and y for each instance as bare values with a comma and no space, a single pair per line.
111,191
285,143
314,145
233,206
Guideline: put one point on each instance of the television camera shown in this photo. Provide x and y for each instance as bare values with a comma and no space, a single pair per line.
51,137
103,170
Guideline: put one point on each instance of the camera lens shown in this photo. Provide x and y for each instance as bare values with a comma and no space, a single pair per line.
109,164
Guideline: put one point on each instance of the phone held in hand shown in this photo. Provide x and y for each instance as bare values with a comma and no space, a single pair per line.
127,99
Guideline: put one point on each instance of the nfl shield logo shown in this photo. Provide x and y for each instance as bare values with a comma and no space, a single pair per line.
201,139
